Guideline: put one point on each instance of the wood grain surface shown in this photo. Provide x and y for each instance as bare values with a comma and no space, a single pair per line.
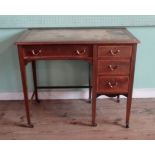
70,119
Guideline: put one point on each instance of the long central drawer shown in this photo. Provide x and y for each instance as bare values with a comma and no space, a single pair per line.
66,51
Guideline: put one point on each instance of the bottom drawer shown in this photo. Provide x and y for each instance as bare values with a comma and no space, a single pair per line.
115,84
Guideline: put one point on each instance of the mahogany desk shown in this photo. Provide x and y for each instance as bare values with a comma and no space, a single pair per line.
111,52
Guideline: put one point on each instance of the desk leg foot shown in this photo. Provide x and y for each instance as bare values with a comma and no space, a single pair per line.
26,125
89,101
29,125
37,101
127,126
94,124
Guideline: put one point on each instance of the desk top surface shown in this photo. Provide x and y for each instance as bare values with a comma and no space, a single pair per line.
77,36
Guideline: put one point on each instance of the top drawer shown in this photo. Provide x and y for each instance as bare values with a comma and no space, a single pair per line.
54,51
117,51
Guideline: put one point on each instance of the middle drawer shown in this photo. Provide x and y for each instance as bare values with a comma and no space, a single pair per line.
113,67
58,51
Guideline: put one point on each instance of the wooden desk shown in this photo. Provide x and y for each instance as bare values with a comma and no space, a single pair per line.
111,52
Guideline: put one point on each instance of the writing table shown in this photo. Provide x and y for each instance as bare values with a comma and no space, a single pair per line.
111,52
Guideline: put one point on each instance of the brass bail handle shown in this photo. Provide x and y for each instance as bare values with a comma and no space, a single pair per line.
112,85
81,52
114,53
36,52
112,68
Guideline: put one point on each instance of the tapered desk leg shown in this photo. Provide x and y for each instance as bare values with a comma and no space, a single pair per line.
128,110
25,90
129,97
94,85
35,80
94,109
90,83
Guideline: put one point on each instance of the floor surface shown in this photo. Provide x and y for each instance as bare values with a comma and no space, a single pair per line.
71,119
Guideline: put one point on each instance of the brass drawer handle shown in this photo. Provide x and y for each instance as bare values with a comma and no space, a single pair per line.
36,52
81,52
112,85
112,68
114,53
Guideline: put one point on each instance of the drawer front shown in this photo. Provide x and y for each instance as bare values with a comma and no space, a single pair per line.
113,67
77,51
117,84
114,51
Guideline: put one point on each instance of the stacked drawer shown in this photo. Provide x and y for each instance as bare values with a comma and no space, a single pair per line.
113,68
